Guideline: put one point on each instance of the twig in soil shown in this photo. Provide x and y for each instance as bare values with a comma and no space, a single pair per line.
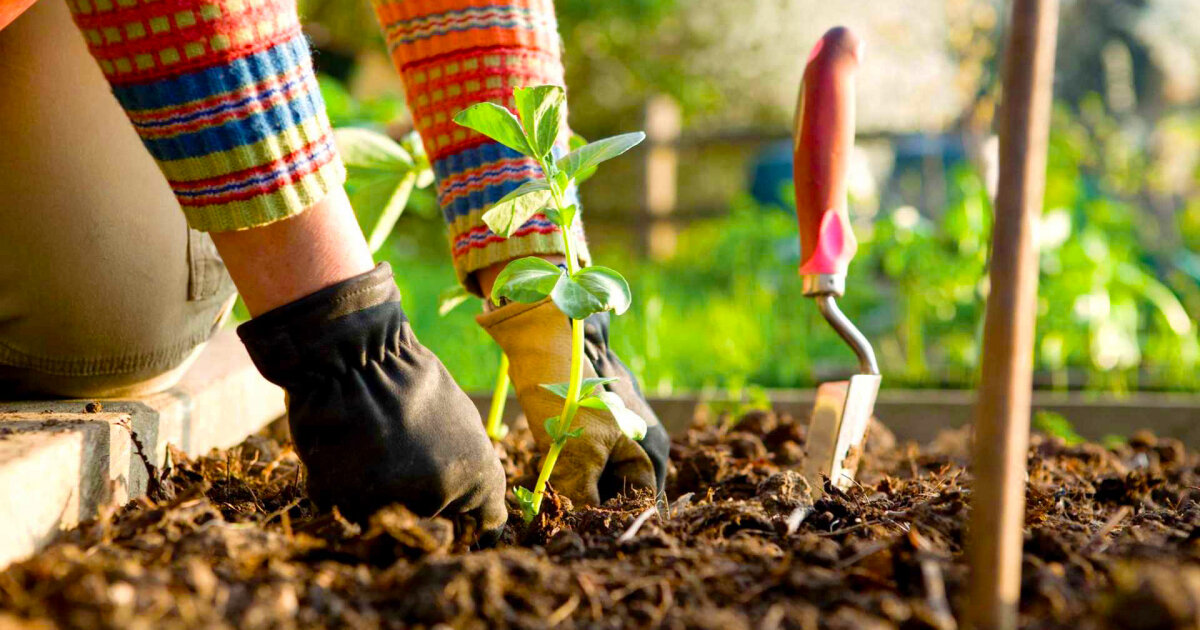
1107,528
680,503
845,530
867,552
797,517
281,512
665,602
564,611
934,582
637,524
589,591
633,587
773,619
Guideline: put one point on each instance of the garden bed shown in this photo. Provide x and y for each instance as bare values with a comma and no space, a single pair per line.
229,540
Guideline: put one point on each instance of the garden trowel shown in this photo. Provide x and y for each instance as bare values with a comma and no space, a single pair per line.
824,137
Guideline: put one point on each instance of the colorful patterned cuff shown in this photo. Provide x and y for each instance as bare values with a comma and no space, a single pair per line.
223,96
469,182
451,55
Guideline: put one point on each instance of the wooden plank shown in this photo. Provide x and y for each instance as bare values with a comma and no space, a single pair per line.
919,415
60,464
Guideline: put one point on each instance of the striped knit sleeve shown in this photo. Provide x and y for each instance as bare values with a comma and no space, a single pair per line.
223,96
455,53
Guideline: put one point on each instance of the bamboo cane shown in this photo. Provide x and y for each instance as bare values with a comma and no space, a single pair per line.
1002,414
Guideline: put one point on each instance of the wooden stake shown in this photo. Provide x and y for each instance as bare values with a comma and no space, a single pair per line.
663,125
1002,414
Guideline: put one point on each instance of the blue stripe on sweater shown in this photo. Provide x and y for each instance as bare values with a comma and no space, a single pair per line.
231,106
228,77
470,159
474,158
237,133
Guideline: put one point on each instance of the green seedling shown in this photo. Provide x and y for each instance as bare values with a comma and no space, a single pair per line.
449,300
577,292
380,176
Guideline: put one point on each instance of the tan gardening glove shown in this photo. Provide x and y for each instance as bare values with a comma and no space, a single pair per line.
603,461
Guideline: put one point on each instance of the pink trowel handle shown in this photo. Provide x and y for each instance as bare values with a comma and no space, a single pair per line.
824,137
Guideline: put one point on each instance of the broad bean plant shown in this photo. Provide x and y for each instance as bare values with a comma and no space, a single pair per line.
577,292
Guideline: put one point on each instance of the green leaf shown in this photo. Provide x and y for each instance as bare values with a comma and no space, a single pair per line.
589,385
416,148
527,500
541,114
514,209
558,389
589,155
551,426
629,422
573,299
575,141
561,218
378,203
552,430
582,175
609,287
527,280
369,153
449,299
585,388
497,123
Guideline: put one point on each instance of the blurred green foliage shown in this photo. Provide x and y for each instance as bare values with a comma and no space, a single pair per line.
1056,425
727,310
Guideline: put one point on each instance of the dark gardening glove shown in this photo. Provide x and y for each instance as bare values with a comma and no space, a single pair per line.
375,415
603,461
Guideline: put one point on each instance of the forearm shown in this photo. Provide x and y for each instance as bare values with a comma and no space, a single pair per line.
279,263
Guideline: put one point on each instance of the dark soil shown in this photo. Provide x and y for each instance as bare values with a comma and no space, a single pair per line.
230,541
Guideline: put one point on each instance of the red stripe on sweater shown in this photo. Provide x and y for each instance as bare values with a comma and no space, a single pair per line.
236,176
141,117
214,120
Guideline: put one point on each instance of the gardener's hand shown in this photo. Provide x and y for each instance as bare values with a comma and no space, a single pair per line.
375,416
603,461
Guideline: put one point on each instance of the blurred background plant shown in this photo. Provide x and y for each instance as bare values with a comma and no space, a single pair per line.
719,302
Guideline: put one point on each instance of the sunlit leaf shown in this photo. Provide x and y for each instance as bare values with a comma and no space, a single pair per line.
589,155
561,218
449,299
573,299
369,153
378,203
609,287
629,422
540,109
586,387
497,123
527,280
528,502
516,208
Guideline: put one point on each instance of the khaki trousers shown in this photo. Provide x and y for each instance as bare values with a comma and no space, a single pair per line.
104,291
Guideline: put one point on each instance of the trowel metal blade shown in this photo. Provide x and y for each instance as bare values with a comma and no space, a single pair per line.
837,430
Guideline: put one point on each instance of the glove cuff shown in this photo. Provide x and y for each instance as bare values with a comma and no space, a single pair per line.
329,331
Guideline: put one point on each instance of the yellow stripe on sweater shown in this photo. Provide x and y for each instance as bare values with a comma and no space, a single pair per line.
241,158
269,208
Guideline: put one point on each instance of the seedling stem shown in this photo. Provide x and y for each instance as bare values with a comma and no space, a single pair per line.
577,292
